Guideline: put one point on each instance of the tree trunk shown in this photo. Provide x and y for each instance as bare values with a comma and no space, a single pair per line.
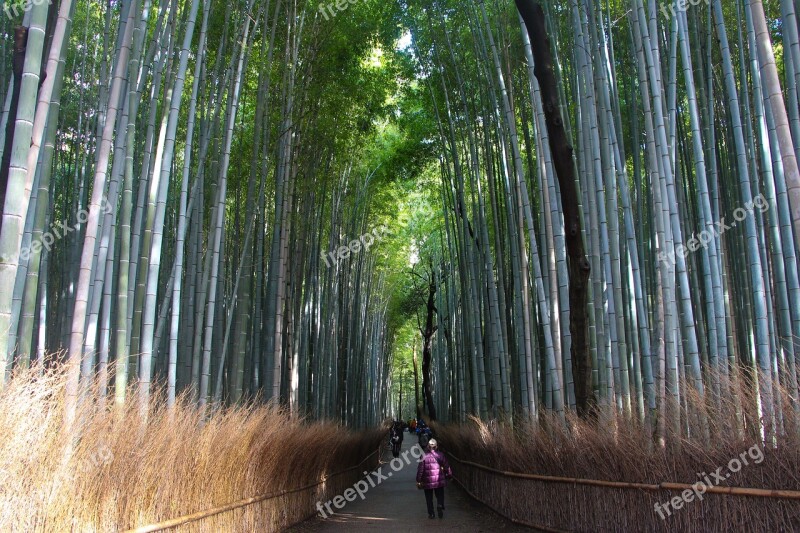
578,263
427,335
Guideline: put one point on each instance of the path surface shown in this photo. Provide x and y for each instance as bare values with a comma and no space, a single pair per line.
396,505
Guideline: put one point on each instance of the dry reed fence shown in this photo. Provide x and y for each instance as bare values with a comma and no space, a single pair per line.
116,471
623,451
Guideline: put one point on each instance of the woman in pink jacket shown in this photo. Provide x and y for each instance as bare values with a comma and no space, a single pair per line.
432,475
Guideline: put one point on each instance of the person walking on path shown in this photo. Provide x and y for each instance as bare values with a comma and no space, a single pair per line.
424,432
432,475
396,438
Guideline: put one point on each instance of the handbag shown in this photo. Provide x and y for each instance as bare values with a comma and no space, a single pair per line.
448,474
420,485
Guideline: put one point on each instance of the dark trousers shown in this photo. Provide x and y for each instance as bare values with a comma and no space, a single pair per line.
439,498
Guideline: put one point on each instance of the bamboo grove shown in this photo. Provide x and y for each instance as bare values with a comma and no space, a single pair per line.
567,206
189,164
684,122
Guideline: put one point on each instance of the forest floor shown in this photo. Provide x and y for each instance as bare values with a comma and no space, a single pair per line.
396,505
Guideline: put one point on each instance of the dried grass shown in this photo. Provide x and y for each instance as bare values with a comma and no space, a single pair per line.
115,471
615,449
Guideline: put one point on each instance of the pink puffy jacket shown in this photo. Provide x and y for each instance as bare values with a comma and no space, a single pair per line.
430,470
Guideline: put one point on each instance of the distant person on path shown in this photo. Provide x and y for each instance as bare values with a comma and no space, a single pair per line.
396,438
425,433
424,438
432,475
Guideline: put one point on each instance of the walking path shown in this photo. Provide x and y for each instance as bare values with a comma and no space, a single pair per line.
395,504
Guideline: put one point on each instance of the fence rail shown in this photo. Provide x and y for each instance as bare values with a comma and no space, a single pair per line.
649,487
182,520
664,485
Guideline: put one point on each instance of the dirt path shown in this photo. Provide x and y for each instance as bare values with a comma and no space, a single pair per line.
395,504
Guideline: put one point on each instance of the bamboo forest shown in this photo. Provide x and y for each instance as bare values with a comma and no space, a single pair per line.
262,262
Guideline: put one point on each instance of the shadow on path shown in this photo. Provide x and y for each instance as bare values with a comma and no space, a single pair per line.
396,505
